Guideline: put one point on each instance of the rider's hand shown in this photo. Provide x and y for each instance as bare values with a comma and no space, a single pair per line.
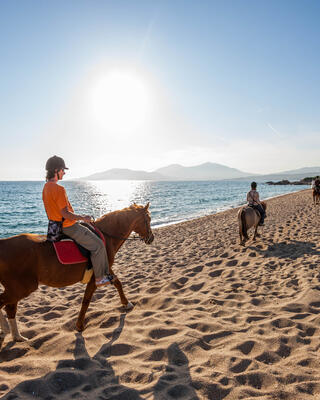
87,218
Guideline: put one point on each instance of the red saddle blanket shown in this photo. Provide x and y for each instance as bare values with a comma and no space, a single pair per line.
68,252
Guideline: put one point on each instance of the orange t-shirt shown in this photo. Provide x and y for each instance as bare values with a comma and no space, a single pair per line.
55,199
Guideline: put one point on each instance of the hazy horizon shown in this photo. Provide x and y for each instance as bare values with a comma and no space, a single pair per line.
143,85
298,171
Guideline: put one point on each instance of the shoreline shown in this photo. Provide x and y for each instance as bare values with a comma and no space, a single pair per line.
227,209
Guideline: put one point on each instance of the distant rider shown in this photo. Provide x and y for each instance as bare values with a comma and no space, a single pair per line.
58,208
254,202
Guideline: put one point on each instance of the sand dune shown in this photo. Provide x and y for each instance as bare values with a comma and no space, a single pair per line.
212,319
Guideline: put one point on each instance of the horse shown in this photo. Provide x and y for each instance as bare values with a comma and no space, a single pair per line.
27,260
316,196
249,217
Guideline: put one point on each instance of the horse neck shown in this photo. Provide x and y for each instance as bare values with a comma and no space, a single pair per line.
118,224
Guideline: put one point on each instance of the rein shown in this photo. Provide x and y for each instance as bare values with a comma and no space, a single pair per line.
122,238
117,237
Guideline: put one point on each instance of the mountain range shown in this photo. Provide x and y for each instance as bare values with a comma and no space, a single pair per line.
206,171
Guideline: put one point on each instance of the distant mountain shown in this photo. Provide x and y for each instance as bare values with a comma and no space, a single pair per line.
123,174
305,170
206,171
294,174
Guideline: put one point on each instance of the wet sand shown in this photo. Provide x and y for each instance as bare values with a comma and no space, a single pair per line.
212,319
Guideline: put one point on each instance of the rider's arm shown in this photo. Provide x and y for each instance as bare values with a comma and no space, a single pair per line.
66,214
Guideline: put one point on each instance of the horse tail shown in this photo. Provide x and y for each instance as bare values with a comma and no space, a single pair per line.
244,224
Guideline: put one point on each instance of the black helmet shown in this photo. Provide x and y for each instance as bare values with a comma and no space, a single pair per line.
253,185
54,163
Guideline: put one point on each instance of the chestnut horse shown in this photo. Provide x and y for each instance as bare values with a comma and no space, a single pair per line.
248,217
28,260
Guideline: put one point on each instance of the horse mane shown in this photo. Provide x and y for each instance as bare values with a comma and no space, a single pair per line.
116,219
264,205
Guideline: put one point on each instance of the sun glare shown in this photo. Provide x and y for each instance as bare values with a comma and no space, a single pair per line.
120,102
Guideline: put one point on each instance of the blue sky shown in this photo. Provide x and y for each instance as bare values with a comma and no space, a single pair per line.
233,82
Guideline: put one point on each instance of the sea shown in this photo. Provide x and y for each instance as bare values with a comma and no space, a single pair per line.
21,207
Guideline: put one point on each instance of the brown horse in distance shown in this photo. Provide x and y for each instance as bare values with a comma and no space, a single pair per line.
248,217
28,260
315,196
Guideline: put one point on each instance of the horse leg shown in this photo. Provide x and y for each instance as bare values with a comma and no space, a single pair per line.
126,304
90,289
255,232
240,234
3,325
243,239
3,322
11,310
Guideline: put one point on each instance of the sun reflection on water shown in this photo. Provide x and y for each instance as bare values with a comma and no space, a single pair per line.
101,197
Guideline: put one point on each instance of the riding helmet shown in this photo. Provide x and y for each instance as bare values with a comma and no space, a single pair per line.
54,163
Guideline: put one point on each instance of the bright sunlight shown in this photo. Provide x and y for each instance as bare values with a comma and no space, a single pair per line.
120,102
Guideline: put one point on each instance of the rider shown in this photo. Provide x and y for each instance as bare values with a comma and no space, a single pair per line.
254,201
58,208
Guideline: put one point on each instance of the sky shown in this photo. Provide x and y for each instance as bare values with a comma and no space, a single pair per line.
144,84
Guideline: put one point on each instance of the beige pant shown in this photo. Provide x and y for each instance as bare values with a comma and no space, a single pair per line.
94,244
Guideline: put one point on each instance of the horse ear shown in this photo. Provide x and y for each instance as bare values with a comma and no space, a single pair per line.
147,206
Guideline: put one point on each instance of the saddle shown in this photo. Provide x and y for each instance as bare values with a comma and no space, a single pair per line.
68,251
255,209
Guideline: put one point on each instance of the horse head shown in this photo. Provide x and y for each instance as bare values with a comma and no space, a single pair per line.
264,205
142,225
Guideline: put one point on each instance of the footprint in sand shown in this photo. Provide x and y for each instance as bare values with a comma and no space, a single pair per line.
215,273
241,366
162,333
232,263
246,347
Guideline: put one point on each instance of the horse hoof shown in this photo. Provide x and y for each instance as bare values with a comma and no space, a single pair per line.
129,306
20,339
79,328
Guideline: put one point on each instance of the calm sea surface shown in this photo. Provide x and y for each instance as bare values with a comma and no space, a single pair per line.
21,208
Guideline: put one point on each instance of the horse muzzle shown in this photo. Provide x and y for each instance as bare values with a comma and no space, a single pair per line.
149,239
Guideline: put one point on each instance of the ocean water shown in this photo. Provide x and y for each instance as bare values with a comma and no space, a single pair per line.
21,208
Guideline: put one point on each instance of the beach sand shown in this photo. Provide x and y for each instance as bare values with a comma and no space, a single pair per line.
212,319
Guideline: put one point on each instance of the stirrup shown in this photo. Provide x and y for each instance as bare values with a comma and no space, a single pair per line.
105,280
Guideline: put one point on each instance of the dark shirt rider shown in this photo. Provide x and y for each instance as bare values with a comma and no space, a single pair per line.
254,201
317,184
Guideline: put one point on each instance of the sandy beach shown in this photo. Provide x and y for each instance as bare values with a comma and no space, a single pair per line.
212,319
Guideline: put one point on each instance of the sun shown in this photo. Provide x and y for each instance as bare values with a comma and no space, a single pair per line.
120,102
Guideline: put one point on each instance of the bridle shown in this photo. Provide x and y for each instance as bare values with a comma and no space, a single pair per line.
146,239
